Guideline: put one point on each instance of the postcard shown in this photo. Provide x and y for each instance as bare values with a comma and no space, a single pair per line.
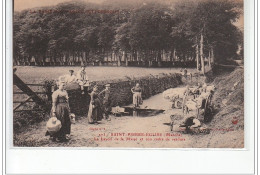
128,74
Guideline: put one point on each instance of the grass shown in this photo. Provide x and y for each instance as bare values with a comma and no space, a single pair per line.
37,75
33,74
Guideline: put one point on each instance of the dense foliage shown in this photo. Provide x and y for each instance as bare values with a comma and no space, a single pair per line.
116,31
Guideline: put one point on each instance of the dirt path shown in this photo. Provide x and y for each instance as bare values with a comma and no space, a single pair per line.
127,131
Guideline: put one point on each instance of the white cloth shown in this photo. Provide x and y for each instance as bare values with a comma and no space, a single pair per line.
70,78
82,75
53,125
60,93
174,93
191,105
82,78
196,123
81,83
210,88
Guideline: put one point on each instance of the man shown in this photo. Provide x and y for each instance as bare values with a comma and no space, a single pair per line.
71,78
106,101
82,79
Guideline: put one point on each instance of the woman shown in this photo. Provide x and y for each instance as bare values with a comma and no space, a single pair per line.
137,95
95,110
61,110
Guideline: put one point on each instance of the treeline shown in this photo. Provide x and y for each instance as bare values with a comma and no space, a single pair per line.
118,32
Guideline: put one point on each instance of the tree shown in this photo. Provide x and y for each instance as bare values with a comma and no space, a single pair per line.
78,32
149,32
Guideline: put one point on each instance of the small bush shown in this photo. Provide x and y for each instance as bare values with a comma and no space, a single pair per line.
26,118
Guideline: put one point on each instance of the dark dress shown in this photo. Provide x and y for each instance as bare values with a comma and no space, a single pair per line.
95,109
62,113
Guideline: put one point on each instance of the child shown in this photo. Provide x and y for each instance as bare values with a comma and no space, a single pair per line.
82,79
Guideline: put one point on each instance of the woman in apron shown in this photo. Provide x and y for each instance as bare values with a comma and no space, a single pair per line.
61,110
95,108
137,95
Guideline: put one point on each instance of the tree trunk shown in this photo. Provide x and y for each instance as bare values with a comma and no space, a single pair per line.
83,57
212,55
209,60
60,57
44,60
201,54
74,58
171,56
15,60
197,56
118,60
174,56
29,60
125,58
113,56
54,59
150,63
137,56
159,58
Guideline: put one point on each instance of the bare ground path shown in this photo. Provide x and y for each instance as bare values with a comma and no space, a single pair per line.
135,132
132,130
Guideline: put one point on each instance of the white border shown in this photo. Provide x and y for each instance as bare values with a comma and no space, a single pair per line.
2,87
163,161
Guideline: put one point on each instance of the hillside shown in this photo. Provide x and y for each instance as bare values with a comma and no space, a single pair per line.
229,103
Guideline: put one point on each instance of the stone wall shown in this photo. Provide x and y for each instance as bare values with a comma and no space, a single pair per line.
121,90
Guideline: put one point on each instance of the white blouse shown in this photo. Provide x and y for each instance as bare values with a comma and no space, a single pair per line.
59,93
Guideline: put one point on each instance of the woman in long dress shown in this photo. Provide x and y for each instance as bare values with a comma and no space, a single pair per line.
61,110
137,95
95,108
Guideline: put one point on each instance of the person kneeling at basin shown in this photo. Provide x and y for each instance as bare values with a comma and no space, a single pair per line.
191,123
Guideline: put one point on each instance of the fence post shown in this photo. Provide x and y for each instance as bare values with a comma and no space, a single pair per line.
20,84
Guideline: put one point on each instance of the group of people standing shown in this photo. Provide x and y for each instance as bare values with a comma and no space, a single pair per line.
98,108
60,103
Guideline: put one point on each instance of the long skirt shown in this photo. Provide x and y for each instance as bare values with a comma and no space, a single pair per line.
62,114
137,99
94,113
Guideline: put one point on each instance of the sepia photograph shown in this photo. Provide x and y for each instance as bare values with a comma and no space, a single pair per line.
128,73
